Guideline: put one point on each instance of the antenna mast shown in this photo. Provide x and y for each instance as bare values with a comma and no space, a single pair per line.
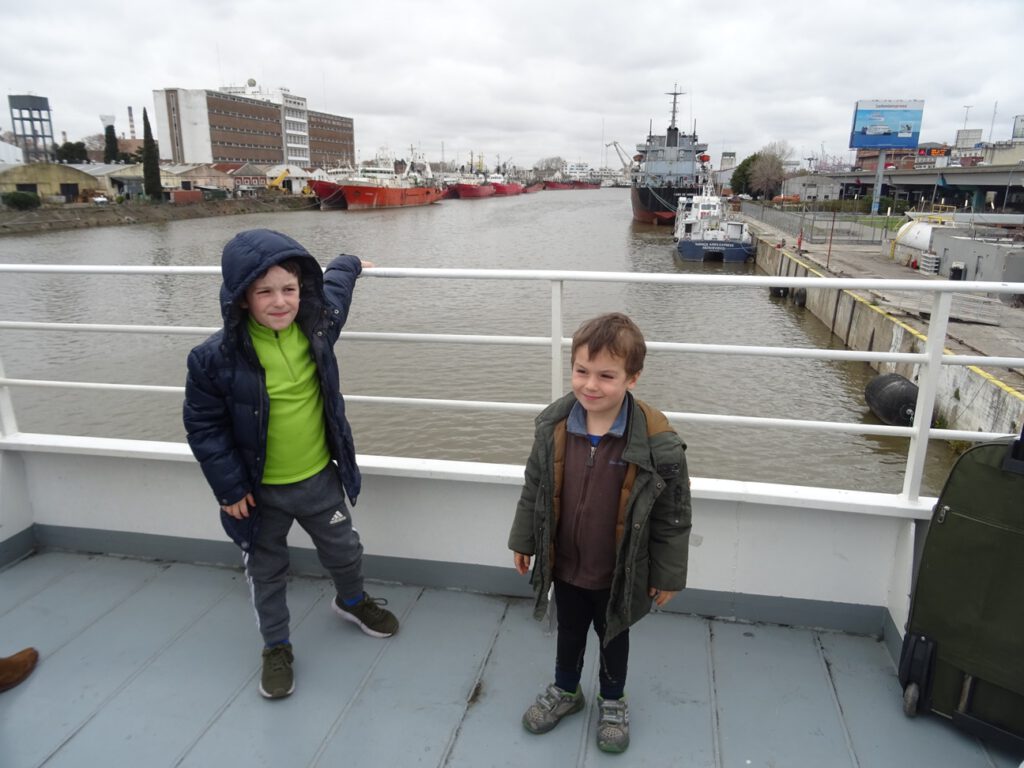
675,94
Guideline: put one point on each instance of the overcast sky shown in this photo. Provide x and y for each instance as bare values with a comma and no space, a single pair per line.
522,80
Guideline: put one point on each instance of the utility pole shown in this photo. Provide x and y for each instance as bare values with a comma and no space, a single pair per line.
967,111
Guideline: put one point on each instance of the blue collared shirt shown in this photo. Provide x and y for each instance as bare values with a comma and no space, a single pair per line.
577,421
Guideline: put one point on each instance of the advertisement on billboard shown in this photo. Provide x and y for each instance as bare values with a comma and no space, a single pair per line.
886,124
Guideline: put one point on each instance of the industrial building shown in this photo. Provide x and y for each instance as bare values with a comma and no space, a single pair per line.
249,125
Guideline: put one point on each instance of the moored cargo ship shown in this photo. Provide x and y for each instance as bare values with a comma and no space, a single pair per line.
668,168
467,190
505,187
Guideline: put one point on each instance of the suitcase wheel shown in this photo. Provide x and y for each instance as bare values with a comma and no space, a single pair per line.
911,694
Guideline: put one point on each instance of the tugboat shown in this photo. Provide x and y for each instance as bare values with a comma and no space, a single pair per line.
667,169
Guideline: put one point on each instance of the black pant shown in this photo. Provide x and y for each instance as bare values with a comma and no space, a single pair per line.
577,609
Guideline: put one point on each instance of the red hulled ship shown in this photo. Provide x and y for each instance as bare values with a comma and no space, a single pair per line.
377,186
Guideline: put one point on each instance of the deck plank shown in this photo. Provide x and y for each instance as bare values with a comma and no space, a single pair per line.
331,660
27,578
413,703
520,666
669,690
775,703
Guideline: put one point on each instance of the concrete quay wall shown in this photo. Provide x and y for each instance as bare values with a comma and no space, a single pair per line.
968,397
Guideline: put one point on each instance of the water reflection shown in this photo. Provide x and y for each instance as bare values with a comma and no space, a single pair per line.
584,230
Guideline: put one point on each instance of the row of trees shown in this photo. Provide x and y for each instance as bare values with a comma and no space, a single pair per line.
78,151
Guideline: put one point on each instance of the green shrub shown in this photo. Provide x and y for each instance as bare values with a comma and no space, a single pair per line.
20,201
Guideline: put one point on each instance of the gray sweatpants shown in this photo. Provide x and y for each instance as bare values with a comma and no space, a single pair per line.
318,504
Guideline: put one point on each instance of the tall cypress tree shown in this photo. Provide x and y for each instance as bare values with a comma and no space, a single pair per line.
150,162
110,150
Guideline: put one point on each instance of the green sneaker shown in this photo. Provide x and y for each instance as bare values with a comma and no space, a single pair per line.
612,725
369,615
550,707
277,680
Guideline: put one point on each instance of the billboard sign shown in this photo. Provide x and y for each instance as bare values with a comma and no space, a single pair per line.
886,124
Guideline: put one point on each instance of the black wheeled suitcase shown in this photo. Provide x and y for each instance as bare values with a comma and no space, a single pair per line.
963,654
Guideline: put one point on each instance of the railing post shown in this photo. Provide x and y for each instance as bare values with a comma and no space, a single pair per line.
556,338
927,387
8,425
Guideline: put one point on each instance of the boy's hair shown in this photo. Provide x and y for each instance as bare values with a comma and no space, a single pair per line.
292,267
616,333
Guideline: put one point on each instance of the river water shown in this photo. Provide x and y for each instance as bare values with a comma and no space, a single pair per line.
573,230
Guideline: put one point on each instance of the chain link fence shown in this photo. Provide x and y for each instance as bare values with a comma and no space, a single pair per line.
823,226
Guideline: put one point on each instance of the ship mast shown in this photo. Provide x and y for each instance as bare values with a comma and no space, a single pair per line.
675,93
672,134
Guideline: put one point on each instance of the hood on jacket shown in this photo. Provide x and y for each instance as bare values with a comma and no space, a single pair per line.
251,253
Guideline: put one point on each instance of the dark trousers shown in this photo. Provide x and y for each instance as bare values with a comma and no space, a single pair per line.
318,505
578,609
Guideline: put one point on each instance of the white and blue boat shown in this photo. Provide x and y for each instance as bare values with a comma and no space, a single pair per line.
703,231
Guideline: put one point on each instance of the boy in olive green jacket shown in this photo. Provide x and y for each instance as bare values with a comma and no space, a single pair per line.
605,510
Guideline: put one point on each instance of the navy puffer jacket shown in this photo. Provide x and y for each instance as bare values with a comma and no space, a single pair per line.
226,403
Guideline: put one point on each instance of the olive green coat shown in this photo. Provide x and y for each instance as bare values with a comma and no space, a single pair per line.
653,531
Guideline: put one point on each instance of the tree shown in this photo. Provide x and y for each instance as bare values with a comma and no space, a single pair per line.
150,163
110,151
740,182
72,153
768,171
95,142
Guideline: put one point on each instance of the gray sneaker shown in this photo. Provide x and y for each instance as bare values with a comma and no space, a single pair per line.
550,707
369,615
277,680
612,725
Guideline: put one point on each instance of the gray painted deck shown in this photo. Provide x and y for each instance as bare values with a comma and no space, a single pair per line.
156,664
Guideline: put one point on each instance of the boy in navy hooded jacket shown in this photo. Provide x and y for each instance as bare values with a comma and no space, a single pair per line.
266,420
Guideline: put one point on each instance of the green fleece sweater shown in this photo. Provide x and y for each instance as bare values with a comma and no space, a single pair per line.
296,445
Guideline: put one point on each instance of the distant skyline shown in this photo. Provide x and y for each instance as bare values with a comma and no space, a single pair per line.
519,82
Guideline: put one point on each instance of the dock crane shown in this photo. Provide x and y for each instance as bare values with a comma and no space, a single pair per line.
628,163
278,183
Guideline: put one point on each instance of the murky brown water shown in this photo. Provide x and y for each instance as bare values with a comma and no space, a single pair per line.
577,230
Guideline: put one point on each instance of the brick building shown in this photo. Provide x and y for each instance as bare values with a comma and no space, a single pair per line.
249,125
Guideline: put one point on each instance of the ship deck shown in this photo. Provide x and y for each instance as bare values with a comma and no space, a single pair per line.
151,663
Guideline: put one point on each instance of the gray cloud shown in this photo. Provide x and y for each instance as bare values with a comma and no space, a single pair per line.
532,79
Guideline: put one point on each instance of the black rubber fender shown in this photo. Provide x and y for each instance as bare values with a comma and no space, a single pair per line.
892,398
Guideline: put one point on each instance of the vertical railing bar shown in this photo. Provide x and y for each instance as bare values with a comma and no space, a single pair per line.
557,289
927,390
556,338
8,424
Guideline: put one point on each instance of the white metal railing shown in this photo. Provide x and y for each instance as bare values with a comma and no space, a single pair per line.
929,361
